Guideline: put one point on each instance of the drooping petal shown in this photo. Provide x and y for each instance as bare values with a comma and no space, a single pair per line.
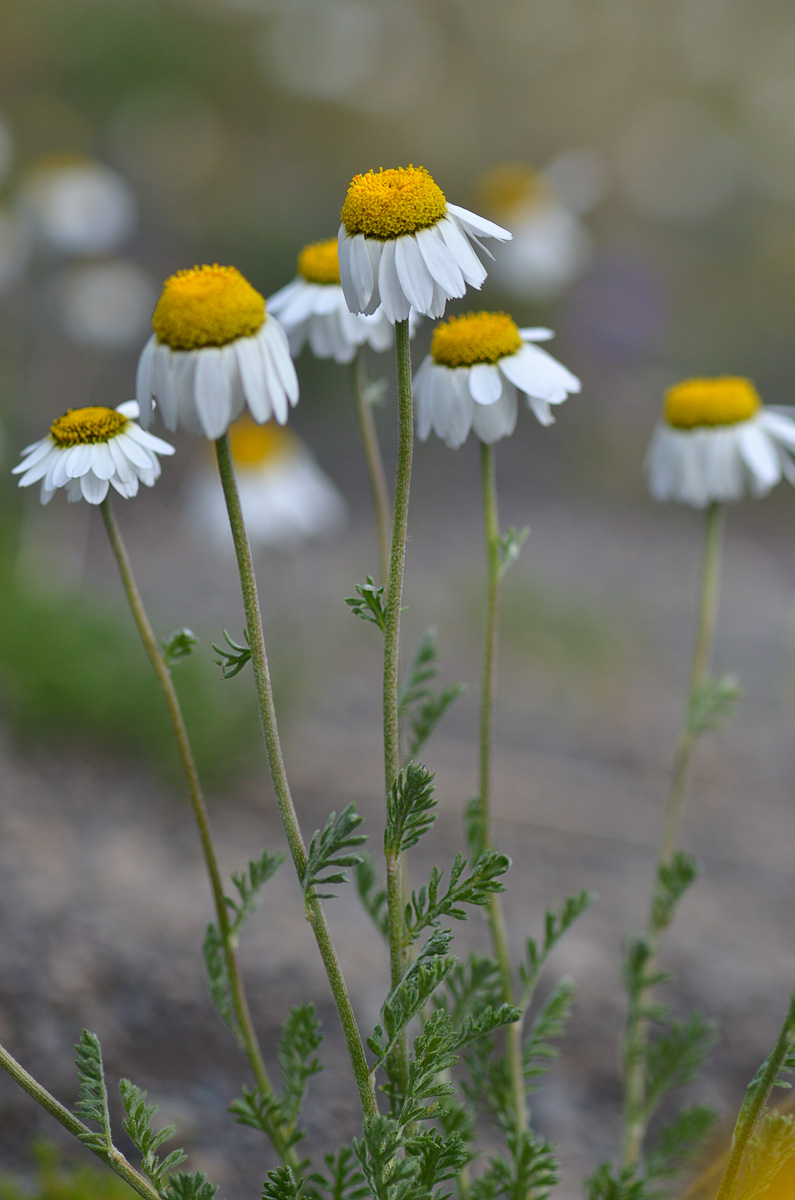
479,225
494,421
212,393
485,383
413,274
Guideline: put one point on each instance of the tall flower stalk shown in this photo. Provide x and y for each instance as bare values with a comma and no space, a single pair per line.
245,1025
267,712
375,464
697,719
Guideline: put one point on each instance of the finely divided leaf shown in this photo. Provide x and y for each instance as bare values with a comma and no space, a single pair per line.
344,1180
673,880
189,1187
281,1184
92,1103
409,809
556,922
138,1124
330,850
249,886
298,1062
428,907
218,980
368,603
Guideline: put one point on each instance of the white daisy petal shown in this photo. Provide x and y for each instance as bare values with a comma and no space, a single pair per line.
94,489
441,263
213,393
539,374
485,383
479,225
143,381
394,301
758,454
362,274
412,273
465,258
494,421
536,333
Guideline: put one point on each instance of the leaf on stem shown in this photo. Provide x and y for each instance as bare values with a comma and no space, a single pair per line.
510,544
529,1169
218,980
178,646
418,700
189,1187
368,603
674,1057
673,880
712,705
679,1141
92,1103
298,1061
138,1124
281,1184
409,809
344,1181
412,993
330,850
249,886
233,659
428,907
556,922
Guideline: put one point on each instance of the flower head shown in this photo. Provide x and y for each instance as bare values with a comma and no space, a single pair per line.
78,207
214,350
471,379
313,308
402,246
716,440
88,449
285,497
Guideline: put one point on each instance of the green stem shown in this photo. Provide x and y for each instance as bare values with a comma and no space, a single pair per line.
267,712
496,915
636,1116
112,1157
396,884
248,1036
375,465
754,1104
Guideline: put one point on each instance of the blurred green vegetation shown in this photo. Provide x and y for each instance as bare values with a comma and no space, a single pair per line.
75,672
52,1181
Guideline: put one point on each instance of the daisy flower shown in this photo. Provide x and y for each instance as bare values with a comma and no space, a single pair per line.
401,245
716,440
88,449
285,496
78,207
214,350
313,308
471,379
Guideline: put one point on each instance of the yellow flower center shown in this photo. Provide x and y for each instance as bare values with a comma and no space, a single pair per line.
483,337
86,426
207,306
721,401
389,204
253,444
319,262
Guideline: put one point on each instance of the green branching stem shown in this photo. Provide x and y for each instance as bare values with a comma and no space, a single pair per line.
111,1157
267,712
395,872
248,1035
637,1030
755,1102
496,916
375,465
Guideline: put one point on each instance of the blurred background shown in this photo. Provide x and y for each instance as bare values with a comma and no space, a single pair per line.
643,154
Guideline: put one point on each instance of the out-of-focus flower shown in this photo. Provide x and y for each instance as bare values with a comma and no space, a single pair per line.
285,496
471,379
214,350
312,307
78,207
106,304
551,247
401,245
716,440
88,449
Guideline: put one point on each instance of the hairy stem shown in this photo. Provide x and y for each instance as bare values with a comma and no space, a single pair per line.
496,915
396,886
267,713
636,1116
375,465
248,1035
112,1157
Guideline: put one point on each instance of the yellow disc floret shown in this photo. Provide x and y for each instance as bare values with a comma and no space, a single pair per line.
483,337
86,426
390,204
724,400
319,262
253,445
207,306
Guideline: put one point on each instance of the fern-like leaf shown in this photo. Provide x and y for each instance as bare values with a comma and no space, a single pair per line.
556,922
249,885
345,1179
410,806
390,1174
196,1186
92,1103
430,905
679,1141
368,603
218,980
281,1184
331,850
531,1169
138,1125
298,1062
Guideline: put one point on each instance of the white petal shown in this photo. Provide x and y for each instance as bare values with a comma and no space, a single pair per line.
541,411
459,404
180,400
464,256
252,371
539,374
162,377
94,490
346,278
79,459
35,454
485,383
280,351
102,463
779,423
536,334
479,225
212,392
143,380
494,421
393,300
413,274
130,409
362,274
441,262
759,456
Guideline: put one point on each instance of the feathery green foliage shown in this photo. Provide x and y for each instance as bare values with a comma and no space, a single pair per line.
372,893
390,1174
138,1125
298,1062
530,1168
330,850
772,1145
281,1184
234,657
92,1103
679,1141
713,704
178,646
605,1184
551,1022
418,701
409,809
344,1179
556,922
196,1186
673,880
218,980
674,1057
249,886
368,603
428,907
412,993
